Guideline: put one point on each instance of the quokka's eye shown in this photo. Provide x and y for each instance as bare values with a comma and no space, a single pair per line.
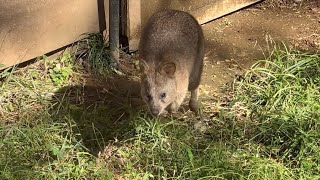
163,95
149,97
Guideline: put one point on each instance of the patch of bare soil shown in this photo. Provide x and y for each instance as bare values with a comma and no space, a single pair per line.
236,41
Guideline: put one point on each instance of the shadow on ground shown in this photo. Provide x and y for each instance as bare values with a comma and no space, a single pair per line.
102,111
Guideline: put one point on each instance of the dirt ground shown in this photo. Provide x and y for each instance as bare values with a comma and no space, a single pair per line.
236,41
233,44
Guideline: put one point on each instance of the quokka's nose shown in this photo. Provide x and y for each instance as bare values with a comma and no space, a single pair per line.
155,112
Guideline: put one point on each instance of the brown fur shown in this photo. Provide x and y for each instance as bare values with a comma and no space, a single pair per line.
171,53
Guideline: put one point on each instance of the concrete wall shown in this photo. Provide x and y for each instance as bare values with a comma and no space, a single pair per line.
139,12
148,7
203,10
30,28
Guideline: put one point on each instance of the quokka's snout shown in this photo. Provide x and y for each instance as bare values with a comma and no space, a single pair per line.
171,61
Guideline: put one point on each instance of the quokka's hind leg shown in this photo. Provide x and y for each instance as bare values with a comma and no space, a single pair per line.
193,103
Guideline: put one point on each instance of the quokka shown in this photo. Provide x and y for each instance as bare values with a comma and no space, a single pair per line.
171,61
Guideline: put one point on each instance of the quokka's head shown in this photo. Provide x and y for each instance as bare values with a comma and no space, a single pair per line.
158,85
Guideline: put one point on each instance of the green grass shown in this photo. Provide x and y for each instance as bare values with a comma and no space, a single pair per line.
45,150
53,125
282,96
94,48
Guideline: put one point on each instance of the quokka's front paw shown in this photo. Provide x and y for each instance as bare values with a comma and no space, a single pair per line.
173,108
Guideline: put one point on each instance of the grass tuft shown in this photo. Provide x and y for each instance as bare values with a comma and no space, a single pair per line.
95,53
172,150
45,150
282,94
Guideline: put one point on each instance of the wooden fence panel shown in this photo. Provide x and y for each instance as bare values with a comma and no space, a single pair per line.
30,28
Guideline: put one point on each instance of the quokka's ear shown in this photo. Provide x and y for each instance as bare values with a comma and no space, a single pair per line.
168,68
143,66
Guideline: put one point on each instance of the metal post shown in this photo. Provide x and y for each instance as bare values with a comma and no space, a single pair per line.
114,20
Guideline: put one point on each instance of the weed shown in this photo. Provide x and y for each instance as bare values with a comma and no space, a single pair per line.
94,49
60,69
5,72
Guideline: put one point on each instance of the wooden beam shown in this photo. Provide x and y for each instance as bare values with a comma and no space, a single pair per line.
219,8
134,23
